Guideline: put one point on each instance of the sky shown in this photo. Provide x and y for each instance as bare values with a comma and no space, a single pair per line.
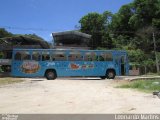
43,17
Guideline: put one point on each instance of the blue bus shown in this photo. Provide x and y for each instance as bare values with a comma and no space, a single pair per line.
53,63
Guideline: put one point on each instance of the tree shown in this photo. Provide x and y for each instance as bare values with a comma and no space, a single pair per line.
144,38
145,12
136,56
93,24
107,16
120,21
148,63
107,41
131,28
4,33
97,25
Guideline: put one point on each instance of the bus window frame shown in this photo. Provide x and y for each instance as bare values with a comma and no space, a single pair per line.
93,58
48,54
81,57
22,53
105,56
40,55
52,55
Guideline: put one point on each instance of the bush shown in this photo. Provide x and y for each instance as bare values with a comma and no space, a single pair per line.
143,85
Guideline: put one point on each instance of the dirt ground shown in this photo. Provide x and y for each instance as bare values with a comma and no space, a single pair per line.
74,95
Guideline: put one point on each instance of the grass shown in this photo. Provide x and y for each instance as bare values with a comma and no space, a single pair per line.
153,74
143,85
5,81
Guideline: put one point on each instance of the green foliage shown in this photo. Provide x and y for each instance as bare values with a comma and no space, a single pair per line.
158,56
143,85
33,36
93,24
120,22
131,28
145,11
107,41
19,39
1,55
149,62
129,25
107,17
136,56
4,33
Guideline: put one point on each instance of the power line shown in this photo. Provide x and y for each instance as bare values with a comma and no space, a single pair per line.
27,29
49,30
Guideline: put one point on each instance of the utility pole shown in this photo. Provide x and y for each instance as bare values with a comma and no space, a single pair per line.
155,51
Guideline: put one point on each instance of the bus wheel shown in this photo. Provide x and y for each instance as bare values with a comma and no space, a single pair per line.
103,77
110,74
50,75
6,68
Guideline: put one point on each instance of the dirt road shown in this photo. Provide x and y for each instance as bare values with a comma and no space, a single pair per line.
74,96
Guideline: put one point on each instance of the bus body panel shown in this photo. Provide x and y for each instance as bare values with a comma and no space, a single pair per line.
62,68
32,68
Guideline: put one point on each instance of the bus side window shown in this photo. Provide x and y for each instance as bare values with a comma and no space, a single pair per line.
101,58
26,56
53,56
75,56
87,57
17,56
105,56
36,56
59,56
109,56
45,56
90,56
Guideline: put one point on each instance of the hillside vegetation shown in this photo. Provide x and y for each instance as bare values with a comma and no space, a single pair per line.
134,28
9,39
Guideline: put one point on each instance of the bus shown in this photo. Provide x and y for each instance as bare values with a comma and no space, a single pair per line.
53,63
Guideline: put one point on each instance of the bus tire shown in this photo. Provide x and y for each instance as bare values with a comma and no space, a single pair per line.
103,77
6,68
110,74
51,75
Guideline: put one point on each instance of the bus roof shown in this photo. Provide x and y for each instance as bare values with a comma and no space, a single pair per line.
17,49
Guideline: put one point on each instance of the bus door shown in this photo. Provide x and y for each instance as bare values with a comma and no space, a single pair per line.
121,63
124,64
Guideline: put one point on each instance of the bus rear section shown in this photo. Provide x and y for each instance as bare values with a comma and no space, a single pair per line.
52,63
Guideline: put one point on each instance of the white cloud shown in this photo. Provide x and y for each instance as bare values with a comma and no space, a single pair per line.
51,35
